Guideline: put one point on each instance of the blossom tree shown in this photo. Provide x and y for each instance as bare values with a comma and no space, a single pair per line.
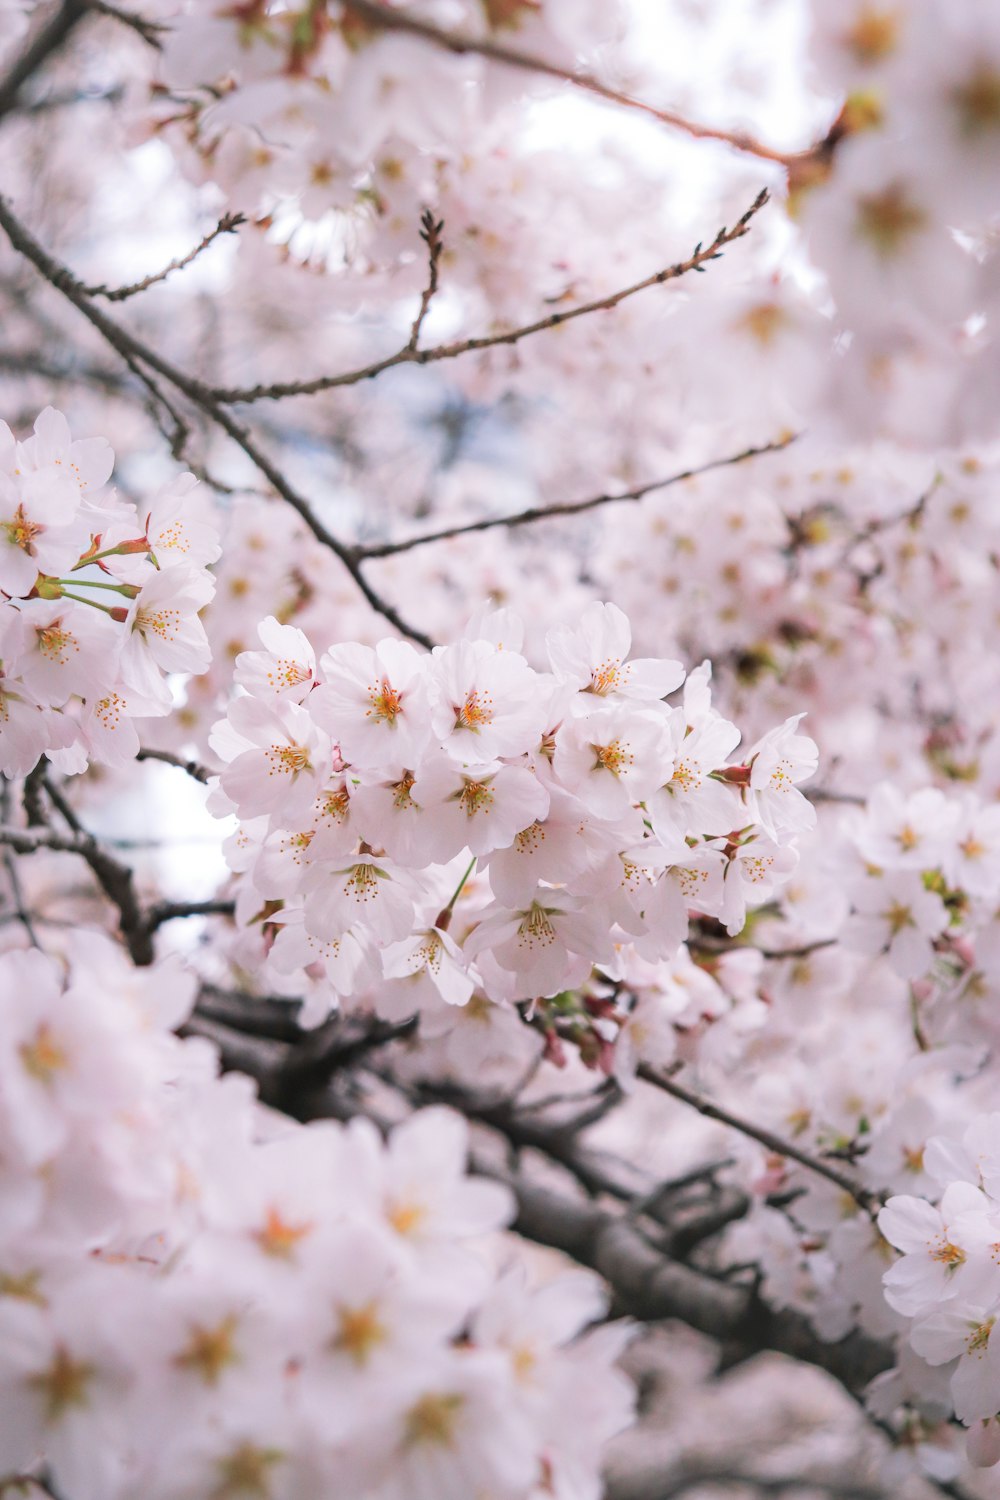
500,827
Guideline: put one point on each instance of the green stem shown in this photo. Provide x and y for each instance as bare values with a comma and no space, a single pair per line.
106,609
461,884
96,557
129,590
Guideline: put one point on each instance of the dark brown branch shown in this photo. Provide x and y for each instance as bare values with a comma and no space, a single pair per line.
46,40
115,879
409,354
169,911
151,32
430,233
136,353
645,1281
383,18
572,507
228,224
818,794
865,1200
189,767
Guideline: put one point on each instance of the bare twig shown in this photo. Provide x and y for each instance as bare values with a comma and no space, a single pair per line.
430,233
865,1200
409,354
135,352
572,507
228,224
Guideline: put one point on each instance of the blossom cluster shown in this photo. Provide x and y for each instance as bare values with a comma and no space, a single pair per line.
197,1300
320,106
922,124
947,1280
923,881
99,602
595,815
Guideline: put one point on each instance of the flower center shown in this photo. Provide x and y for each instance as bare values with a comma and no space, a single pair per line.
359,1331
615,757
888,219
386,703
278,1237
475,797
979,1337
947,1254
43,1057
476,711
606,677
978,101
164,623
63,1384
209,1350
873,35
432,1420
288,759
401,791
21,532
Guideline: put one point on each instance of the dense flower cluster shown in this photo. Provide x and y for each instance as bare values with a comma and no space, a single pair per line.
904,229
947,1282
523,849
369,788
98,602
197,1300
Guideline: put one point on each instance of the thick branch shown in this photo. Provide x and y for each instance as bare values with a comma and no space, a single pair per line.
47,40
114,878
410,354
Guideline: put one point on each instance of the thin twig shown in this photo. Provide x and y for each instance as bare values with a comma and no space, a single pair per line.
572,507
865,1200
228,224
430,233
409,354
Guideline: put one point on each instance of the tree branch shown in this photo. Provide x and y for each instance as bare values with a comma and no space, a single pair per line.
47,40
169,911
150,31
115,879
571,508
430,233
189,767
383,18
228,224
410,354
868,1201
